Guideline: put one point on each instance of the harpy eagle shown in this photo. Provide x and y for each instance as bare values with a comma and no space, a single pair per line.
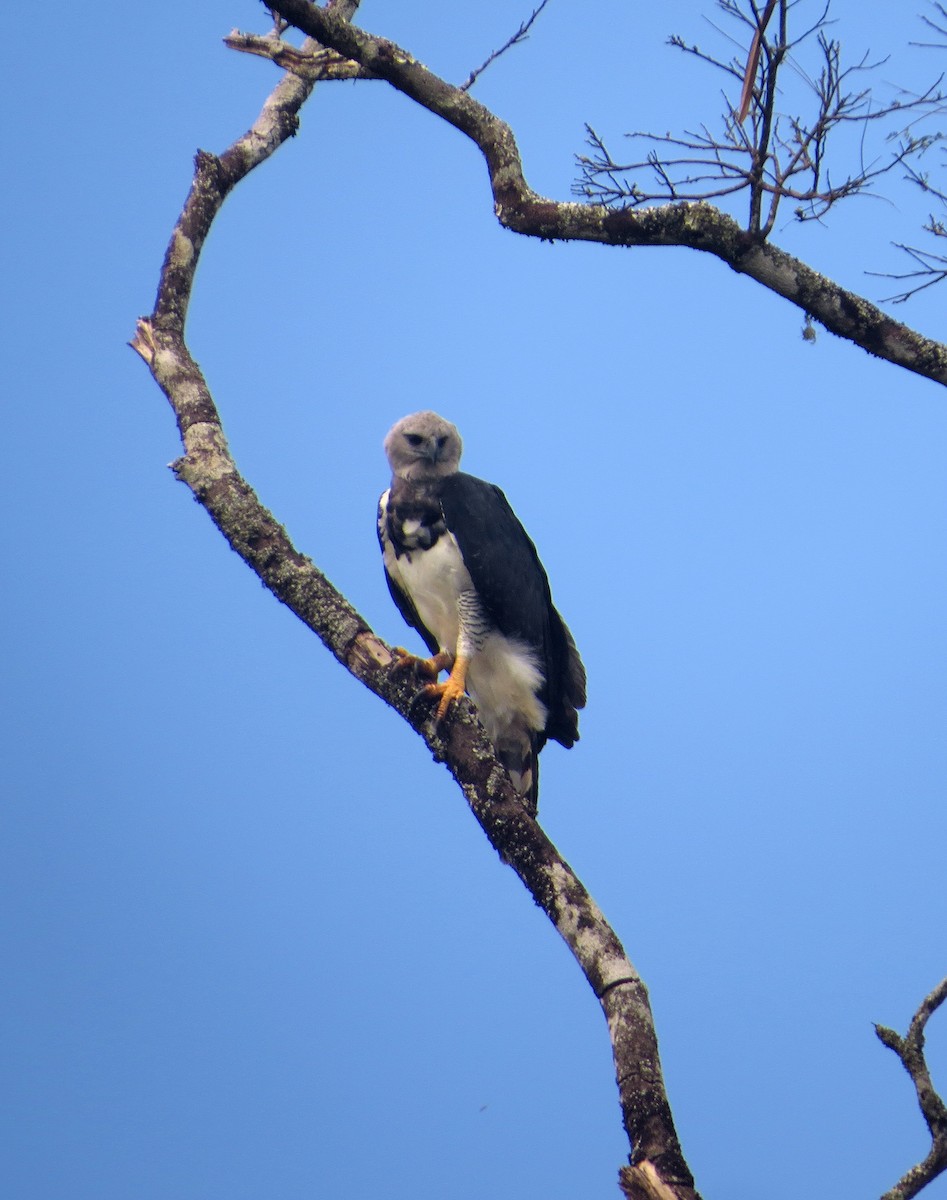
464,573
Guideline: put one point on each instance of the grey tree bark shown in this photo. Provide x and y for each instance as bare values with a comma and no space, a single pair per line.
335,49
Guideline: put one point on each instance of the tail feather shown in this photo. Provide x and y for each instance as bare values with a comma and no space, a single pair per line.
518,751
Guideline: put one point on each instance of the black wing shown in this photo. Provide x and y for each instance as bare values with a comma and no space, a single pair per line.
512,585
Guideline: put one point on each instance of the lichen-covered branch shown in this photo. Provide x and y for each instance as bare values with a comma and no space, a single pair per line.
207,467
312,63
910,1050
697,225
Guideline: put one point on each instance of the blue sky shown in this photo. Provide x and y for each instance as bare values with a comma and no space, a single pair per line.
255,945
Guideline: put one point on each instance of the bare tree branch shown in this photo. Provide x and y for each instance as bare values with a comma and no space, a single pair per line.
931,269
520,36
658,1168
314,63
782,156
941,29
910,1050
699,225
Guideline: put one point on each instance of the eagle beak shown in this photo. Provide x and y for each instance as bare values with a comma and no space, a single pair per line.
431,450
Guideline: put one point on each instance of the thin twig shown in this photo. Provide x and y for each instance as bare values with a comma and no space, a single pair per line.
778,155
932,269
936,28
519,36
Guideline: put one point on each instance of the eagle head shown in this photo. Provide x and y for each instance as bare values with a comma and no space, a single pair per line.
423,446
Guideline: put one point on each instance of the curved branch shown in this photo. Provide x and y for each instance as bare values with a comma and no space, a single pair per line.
697,225
657,1166
910,1050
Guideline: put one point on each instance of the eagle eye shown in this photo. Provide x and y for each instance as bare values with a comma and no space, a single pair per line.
413,439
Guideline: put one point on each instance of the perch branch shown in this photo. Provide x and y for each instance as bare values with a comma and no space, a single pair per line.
206,466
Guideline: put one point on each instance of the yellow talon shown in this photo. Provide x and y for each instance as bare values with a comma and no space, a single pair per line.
405,660
453,687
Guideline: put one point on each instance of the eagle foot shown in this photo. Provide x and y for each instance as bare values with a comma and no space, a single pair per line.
453,687
405,660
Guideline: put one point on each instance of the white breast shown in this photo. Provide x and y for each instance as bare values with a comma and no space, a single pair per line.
504,675
433,579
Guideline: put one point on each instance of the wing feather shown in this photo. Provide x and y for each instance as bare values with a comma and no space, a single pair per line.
512,585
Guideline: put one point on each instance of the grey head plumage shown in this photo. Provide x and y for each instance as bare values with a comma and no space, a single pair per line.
423,447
